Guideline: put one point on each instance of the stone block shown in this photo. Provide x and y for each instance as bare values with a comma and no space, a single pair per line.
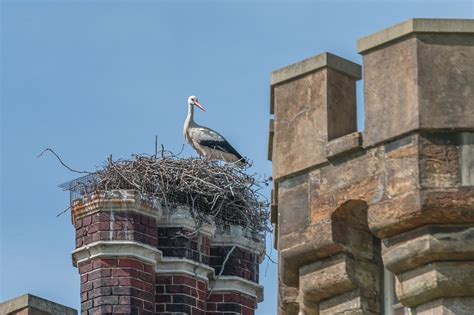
447,306
344,144
313,101
336,275
435,280
427,244
418,75
352,302
293,208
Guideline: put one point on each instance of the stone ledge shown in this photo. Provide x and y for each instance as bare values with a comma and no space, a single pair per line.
232,283
184,266
434,281
254,243
107,249
315,63
344,144
181,217
336,275
39,304
458,306
427,244
414,26
116,200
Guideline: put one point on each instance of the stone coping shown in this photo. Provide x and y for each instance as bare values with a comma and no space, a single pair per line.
344,144
233,283
29,300
324,60
181,217
107,249
236,235
166,265
414,26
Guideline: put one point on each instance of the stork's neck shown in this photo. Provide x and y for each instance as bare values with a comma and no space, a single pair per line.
190,118
189,121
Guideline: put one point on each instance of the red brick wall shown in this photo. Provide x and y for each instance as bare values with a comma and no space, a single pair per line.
116,226
130,286
230,303
174,242
241,262
180,293
121,286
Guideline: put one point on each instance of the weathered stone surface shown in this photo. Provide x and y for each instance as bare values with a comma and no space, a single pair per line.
314,101
445,78
428,244
343,232
419,80
287,296
409,27
336,275
467,159
410,183
439,160
435,280
341,104
447,306
294,206
390,91
350,303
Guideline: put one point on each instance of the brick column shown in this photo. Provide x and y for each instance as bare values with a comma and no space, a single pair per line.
136,257
115,254
236,290
182,276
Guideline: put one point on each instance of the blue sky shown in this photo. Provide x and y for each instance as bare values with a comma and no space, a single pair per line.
93,78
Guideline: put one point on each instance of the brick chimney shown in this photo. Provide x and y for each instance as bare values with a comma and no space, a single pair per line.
136,257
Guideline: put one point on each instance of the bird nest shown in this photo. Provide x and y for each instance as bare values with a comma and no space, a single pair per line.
221,191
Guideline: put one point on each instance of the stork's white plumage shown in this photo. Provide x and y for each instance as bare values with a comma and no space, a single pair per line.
208,143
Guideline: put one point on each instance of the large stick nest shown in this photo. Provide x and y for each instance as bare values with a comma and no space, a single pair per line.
225,192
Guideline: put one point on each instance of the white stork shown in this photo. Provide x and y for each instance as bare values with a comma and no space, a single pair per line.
208,143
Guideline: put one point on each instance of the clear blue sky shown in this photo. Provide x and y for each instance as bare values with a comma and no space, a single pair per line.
93,78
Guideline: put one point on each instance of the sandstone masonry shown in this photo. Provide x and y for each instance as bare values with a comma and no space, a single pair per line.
398,196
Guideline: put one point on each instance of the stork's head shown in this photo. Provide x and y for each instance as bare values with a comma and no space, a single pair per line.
192,100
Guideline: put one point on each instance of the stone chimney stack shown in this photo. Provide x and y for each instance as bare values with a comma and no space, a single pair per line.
395,200
136,257
418,75
313,101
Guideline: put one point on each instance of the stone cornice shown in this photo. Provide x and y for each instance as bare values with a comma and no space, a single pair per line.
236,235
169,265
181,217
108,249
414,26
232,283
116,200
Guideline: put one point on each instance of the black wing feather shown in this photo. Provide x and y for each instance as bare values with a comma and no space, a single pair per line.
222,146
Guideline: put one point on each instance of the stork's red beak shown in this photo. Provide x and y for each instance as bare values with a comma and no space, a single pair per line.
199,105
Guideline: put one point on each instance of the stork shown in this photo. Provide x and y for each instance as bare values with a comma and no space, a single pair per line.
208,143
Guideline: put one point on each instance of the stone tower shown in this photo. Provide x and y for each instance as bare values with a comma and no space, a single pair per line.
354,211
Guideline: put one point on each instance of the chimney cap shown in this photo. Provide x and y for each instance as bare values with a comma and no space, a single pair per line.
414,26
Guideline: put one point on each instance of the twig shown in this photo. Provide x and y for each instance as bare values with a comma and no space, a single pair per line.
61,161
62,212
